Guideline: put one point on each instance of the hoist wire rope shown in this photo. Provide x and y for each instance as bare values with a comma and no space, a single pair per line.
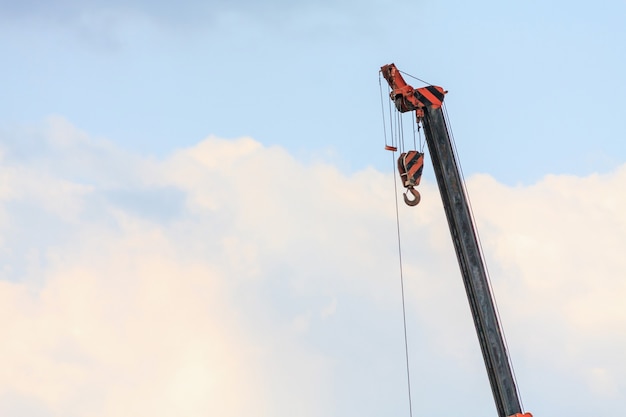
414,77
415,125
480,245
417,128
406,339
395,187
392,125
382,110
399,131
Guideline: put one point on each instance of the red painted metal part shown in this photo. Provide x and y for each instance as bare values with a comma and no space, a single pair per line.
407,98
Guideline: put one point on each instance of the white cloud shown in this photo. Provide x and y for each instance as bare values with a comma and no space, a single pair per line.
270,287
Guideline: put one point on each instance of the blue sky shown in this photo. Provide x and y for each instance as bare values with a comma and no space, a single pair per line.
197,216
535,87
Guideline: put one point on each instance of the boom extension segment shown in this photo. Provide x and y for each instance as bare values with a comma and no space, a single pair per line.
427,102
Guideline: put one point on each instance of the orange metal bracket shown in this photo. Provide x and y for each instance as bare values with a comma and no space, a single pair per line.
407,98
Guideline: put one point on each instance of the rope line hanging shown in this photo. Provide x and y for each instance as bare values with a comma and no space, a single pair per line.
406,338
396,129
400,130
382,109
413,130
388,146
397,138
417,127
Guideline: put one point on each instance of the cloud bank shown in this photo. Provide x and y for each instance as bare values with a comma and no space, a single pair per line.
232,279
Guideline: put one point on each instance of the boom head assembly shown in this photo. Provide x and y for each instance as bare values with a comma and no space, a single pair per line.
407,98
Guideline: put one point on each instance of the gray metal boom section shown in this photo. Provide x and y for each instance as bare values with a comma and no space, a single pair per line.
471,262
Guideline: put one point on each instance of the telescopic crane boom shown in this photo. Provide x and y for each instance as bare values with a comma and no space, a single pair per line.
427,103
